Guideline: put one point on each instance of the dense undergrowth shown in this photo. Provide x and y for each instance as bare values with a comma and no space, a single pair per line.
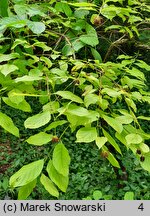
74,92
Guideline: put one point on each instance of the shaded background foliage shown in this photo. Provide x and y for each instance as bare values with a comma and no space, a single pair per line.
89,169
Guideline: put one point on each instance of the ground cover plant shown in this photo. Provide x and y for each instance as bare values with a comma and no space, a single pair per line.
75,95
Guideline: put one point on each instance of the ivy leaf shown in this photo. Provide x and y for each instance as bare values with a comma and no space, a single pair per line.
70,96
133,138
7,123
49,186
37,120
61,159
129,196
86,134
60,180
26,174
39,139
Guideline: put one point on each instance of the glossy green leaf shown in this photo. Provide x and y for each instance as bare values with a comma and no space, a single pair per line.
60,180
69,95
61,159
26,190
133,138
7,123
49,186
39,139
37,120
86,134
26,174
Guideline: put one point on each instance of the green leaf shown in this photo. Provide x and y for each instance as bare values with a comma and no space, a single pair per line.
146,163
131,104
145,148
4,8
61,159
89,39
111,157
36,27
90,99
116,125
129,196
55,124
49,186
82,4
47,61
7,69
26,174
133,138
100,141
111,141
37,120
60,180
111,92
97,195
7,123
124,119
86,134
26,190
52,107
24,106
96,55
7,57
39,139
16,96
27,78
144,118
69,95
113,160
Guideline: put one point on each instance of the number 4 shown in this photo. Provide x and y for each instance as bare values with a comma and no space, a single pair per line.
141,207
